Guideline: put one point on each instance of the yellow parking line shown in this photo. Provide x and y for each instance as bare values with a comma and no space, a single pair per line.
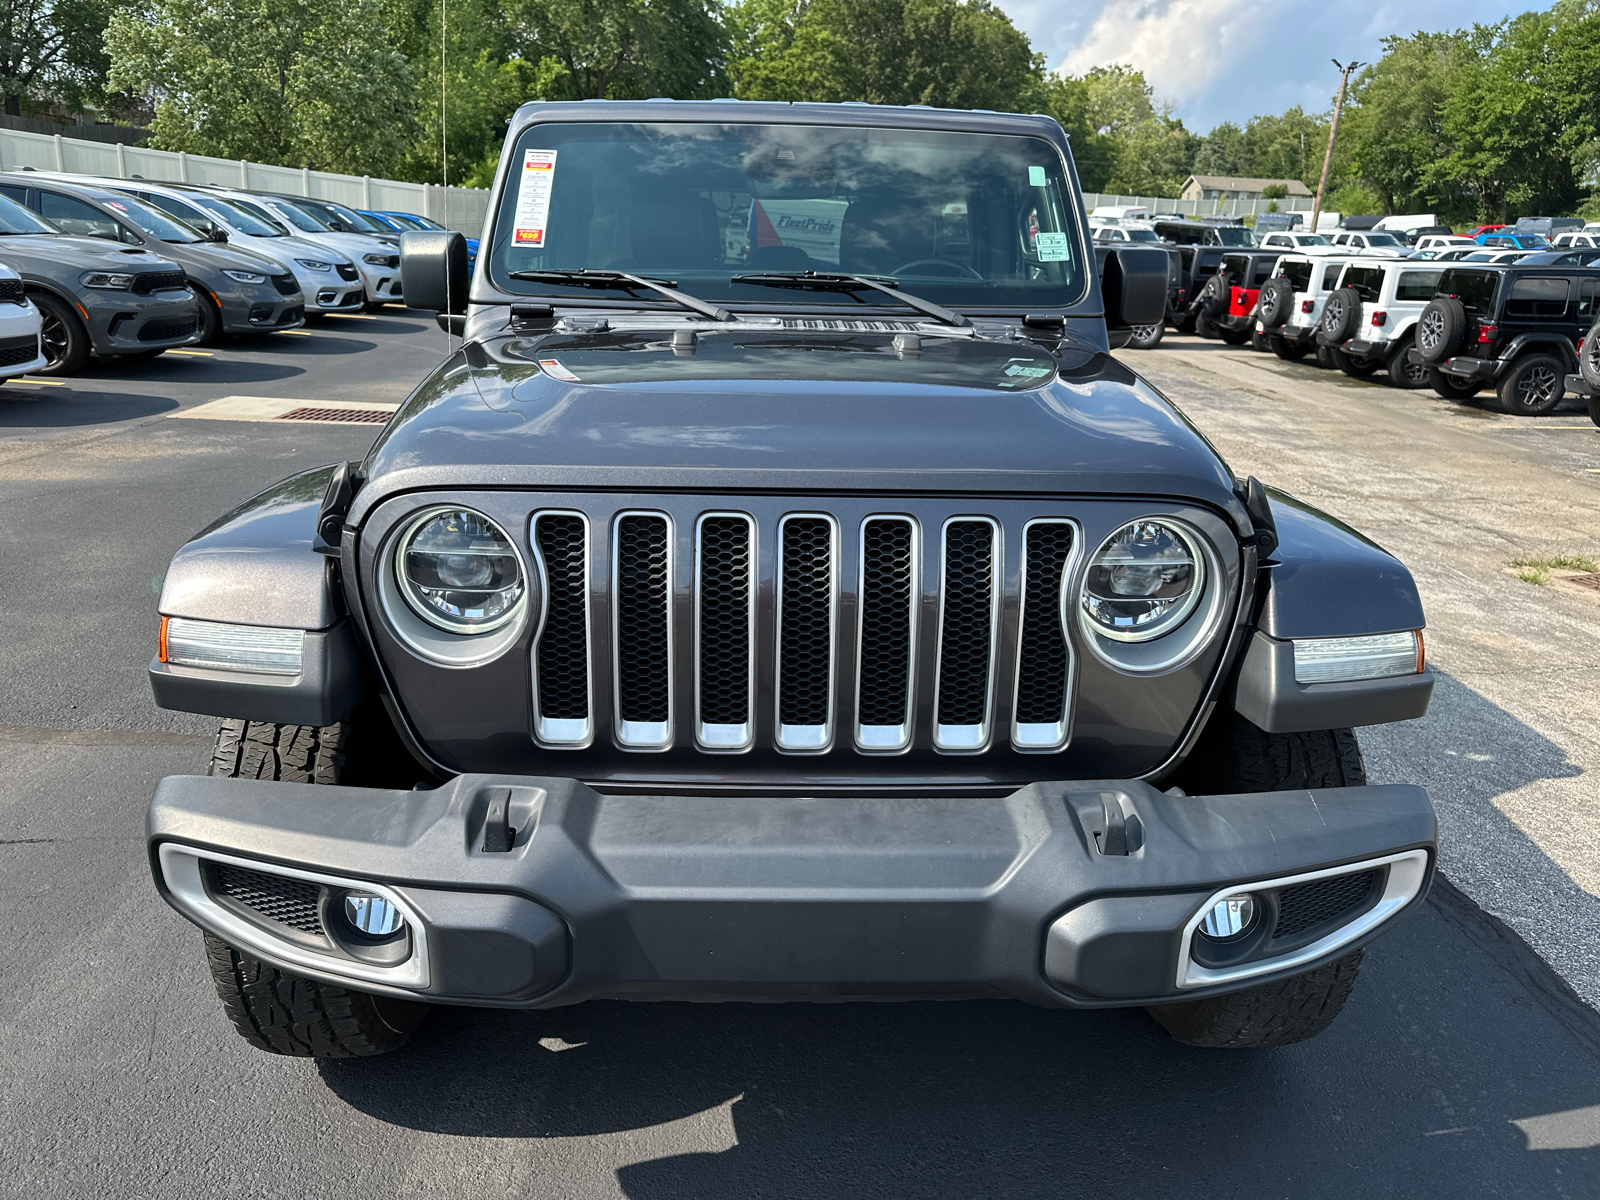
353,316
296,332
194,353
42,382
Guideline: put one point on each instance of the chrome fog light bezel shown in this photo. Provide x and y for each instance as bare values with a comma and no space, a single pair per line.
181,872
1407,872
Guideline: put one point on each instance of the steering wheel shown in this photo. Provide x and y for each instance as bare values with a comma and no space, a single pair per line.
946,267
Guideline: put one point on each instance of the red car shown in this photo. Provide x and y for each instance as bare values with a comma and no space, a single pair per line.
1487,229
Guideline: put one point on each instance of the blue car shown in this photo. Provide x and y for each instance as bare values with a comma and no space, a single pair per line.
400,222
1514,241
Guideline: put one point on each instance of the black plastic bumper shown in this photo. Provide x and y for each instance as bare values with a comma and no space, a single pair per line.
1577,385
815,898
1237,321
1473,368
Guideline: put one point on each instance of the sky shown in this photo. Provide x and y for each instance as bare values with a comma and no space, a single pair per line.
1227,60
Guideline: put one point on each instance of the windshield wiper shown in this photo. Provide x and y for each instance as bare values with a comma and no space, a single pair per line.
631,283
822,281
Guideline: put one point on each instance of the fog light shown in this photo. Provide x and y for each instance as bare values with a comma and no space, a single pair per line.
1229,917
372,915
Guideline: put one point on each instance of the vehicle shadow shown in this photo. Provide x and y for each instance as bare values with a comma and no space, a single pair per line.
180,370
58,408
319,343
1447,1074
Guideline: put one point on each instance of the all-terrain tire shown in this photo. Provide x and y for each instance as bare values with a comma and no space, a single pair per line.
1594,408
1235,756
272,1009
304,1018
1270,1014
1535,385
1216,294
1451,388
1357,366
1276,301
1402,372
1147,337
1441,328
1589,357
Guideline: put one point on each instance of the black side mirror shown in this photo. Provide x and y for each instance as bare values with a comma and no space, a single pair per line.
337,226
433,270
1133,287
217,234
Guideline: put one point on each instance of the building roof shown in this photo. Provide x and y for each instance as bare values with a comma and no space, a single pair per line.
1236,183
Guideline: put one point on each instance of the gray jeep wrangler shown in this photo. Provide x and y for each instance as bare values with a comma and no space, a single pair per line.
782,593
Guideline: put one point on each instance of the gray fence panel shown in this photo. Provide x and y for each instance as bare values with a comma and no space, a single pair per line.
458,208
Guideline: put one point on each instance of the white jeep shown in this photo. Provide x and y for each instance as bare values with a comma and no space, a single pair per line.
1290,303
1369,319
1378,242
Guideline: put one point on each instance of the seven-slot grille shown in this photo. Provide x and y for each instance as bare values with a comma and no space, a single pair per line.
784,646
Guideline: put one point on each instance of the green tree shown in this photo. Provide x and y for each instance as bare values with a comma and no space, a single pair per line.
52,49
947,53
304,83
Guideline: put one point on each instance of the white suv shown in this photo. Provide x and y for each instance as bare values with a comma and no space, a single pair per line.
1369,319
1287,312
1577,241
1292,241
1442,241
1378,242
20,347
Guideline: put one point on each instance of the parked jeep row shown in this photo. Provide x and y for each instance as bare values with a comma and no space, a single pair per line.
130,268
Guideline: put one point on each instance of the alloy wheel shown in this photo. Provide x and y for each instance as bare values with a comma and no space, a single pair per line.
1431,331
1537,387
53,337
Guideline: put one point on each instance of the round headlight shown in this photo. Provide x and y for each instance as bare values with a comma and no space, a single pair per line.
1142,582
458,571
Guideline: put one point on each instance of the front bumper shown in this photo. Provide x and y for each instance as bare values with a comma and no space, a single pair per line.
127,323
796,898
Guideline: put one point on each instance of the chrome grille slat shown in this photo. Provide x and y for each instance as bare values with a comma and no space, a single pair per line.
808,584
888,592
1040,716
725,606
968,610
563,699
641,590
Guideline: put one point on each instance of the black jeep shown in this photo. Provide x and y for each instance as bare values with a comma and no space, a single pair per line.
1512,326
782,593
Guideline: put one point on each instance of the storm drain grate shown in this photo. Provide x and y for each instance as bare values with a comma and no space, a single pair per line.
1591,580
354,416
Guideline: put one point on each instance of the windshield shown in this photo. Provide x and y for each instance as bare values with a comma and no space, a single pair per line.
15,219
1234,235
404,221
1311,239
301,218
352,218
1383,239
1142,235
958,218
153,222
242,219
422,222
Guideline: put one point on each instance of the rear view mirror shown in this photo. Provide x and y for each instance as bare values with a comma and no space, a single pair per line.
433,270
1133,287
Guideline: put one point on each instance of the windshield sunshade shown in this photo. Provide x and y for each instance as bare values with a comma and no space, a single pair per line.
861,358
959,218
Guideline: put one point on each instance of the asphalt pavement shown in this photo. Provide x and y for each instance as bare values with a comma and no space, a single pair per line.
1463,1066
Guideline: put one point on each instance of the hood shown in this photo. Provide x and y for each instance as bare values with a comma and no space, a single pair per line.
84,253
782,409
220,256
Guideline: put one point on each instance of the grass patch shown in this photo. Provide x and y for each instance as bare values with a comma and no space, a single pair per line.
1557,562
1538,576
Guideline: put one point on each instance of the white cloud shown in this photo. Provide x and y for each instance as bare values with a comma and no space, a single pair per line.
1182,46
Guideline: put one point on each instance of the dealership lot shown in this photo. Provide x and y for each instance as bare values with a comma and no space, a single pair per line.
1463,1066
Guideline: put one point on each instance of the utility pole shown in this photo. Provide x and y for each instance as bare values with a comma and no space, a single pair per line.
1333,132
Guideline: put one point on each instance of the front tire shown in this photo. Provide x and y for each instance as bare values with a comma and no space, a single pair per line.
272,1009
1235,756
210,318
1146,337
305,1018
63,339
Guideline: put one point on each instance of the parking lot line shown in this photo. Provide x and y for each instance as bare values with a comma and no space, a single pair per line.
297,332
194,353
41,382
353,316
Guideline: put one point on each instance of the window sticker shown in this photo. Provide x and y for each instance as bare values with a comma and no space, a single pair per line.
813,226
1036,177
553,368
1051,247
533,199
1025,369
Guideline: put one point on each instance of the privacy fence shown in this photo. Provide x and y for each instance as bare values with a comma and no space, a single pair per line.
456,208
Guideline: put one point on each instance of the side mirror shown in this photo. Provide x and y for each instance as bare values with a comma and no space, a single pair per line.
337,226
433,270
217,233
1133,287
